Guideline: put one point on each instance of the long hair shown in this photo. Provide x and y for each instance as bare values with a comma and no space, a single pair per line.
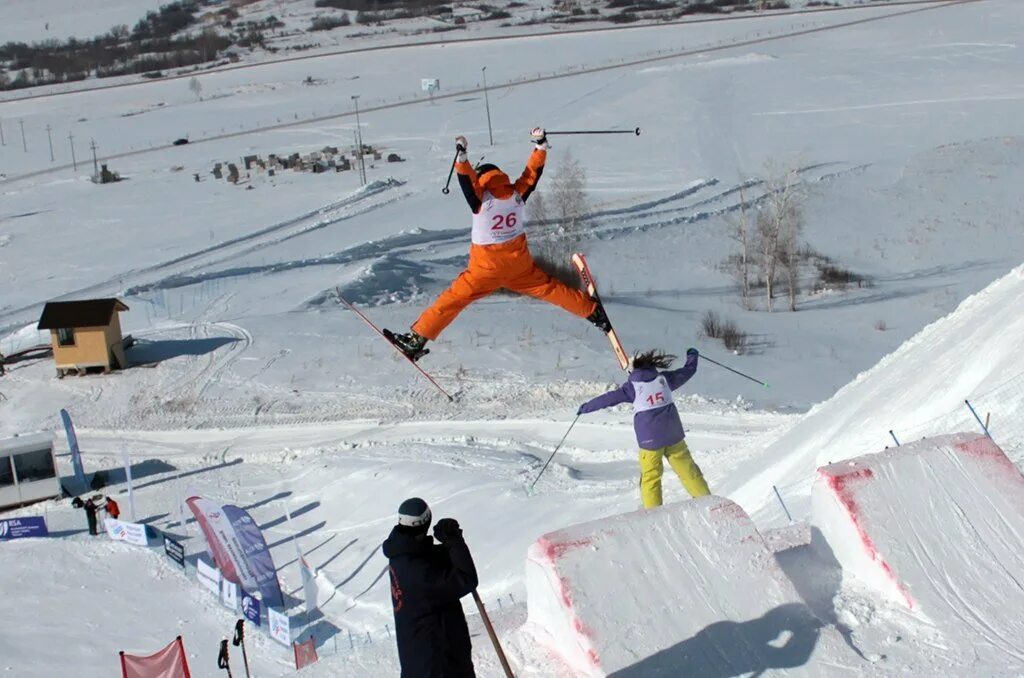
652,359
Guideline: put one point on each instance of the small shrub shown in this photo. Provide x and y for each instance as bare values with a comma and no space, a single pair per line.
832,275
499,14
881,326
623,18
714,326
327,23
711,325
734,339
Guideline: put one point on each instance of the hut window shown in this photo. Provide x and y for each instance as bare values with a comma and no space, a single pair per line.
6,475
36,465
65,337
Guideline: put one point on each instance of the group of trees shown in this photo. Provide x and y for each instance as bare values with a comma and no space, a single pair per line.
153,44
768,235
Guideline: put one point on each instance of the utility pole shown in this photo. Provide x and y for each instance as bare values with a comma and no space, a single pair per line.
50,139
359,141
95,165
71,141
24,144
487,103
3,142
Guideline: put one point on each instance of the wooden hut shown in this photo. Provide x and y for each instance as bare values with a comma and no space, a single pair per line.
85,334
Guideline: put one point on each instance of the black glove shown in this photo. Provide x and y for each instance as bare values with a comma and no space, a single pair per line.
447,531
691,352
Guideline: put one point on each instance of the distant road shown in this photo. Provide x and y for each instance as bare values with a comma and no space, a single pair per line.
406,45
931,5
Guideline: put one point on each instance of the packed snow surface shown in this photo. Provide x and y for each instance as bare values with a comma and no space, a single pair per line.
250,385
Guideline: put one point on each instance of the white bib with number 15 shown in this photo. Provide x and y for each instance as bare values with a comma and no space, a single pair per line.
650,395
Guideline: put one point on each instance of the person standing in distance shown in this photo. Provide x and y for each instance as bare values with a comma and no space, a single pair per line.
427,582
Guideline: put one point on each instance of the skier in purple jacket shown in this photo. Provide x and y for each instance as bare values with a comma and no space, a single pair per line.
659,432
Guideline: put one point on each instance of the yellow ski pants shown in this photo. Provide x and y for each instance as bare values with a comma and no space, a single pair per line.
652,468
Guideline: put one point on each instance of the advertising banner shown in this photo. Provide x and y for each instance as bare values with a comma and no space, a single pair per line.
20,528
76,454
251,609
308,584
174,550
170,662
208,576
238,548
305,654
133,533
280,627
229,594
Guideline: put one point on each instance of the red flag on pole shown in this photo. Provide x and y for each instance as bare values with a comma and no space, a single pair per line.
170,662
305,654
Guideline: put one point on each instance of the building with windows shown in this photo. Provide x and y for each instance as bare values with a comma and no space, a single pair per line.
85,334
28,470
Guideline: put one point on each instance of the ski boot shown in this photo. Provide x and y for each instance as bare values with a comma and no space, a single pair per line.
600,318
411,344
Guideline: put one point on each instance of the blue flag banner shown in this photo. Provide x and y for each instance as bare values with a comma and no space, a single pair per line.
254,562
251,608
76,454
20,528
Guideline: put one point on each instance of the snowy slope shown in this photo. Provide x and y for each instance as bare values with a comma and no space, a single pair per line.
918,389
937,526
694,586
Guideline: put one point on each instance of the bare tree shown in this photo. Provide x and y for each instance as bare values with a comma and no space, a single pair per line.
779,226
569,194
562,206
536,209
739,263
196,87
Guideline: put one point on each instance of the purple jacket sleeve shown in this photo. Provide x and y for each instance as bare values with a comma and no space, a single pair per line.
623,394
677,378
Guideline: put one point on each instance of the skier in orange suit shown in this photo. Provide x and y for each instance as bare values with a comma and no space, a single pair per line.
499,256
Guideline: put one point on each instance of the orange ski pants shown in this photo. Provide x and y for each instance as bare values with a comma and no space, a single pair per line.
492,267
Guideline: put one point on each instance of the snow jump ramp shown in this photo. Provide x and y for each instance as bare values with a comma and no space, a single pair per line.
937,526
688,589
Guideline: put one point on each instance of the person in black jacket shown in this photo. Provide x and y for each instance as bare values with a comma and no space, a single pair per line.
427,581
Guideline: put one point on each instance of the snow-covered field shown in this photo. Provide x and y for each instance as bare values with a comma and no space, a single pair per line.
908,130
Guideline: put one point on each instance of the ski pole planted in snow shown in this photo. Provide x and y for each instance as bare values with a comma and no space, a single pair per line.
783,504
983,427
223,659
745,376
452,170
634,132
239,639
558,447
493,635
895,439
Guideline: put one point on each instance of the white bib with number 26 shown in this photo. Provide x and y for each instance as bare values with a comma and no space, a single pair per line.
650,395
498,220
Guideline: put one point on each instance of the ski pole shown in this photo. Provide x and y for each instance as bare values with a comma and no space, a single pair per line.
239,639
746,376
635,132
558,447
223,659
493,635
450,172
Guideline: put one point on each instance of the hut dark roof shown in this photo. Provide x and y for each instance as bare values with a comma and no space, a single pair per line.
84,313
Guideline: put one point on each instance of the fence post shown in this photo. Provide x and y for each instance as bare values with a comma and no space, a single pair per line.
983,427
783,504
